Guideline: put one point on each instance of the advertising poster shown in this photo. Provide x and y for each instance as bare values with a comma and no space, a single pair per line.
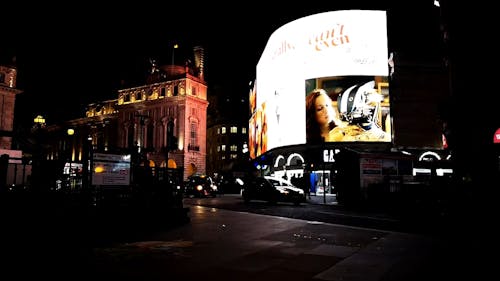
111,169
323,78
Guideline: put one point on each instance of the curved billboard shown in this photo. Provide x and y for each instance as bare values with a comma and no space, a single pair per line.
322,78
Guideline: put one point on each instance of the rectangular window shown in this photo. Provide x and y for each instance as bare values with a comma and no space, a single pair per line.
234,130
223,147
223,130
233,156
243,130
234,147
193,137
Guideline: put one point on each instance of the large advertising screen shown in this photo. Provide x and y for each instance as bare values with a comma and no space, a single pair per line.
322,78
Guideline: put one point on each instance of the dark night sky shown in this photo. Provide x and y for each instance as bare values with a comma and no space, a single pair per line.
69,56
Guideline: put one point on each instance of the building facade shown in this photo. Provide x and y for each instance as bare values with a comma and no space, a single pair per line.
227,150
227,133
166,120
162,122
8,92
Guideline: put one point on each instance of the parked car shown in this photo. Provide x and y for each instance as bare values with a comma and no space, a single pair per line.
273,190
200,186
229,185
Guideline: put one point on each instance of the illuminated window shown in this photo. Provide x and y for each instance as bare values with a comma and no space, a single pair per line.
223,147
223,157
218,131
233,156
193,136
243,130
223,130
234,130
218,148
234,147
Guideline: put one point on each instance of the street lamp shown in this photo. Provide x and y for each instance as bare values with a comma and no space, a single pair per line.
70,133
36,172
39,121
176,46
87,161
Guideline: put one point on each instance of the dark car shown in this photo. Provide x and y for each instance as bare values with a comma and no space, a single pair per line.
200,186
229,185
273,190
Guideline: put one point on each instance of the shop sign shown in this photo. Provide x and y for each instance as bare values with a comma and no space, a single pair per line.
496,137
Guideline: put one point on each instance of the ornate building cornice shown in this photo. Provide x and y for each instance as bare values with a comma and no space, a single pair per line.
6,89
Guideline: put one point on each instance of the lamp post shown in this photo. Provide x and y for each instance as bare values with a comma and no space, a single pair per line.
71,133
36,174
91,160
176,46
39,122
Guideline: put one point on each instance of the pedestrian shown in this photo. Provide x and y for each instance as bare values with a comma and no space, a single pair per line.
306,184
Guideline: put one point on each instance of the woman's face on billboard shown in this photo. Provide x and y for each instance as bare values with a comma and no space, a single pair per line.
324,110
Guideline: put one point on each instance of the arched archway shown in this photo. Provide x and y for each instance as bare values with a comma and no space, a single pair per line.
192,169
172,164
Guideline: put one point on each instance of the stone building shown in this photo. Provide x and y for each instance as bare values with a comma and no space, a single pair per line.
163,121
8,92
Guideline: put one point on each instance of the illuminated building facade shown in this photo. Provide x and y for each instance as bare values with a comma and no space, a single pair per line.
360,115
226,152
162,121
8,92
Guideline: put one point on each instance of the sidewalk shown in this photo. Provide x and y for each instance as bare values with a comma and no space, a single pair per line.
225,245
219,244
323,199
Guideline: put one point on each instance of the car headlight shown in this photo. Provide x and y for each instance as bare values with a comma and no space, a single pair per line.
199,187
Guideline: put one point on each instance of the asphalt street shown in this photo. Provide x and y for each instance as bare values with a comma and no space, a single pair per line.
223,243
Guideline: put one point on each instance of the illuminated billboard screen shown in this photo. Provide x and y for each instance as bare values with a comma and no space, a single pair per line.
320,78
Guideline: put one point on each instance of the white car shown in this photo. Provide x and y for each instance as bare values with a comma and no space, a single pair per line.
273,190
